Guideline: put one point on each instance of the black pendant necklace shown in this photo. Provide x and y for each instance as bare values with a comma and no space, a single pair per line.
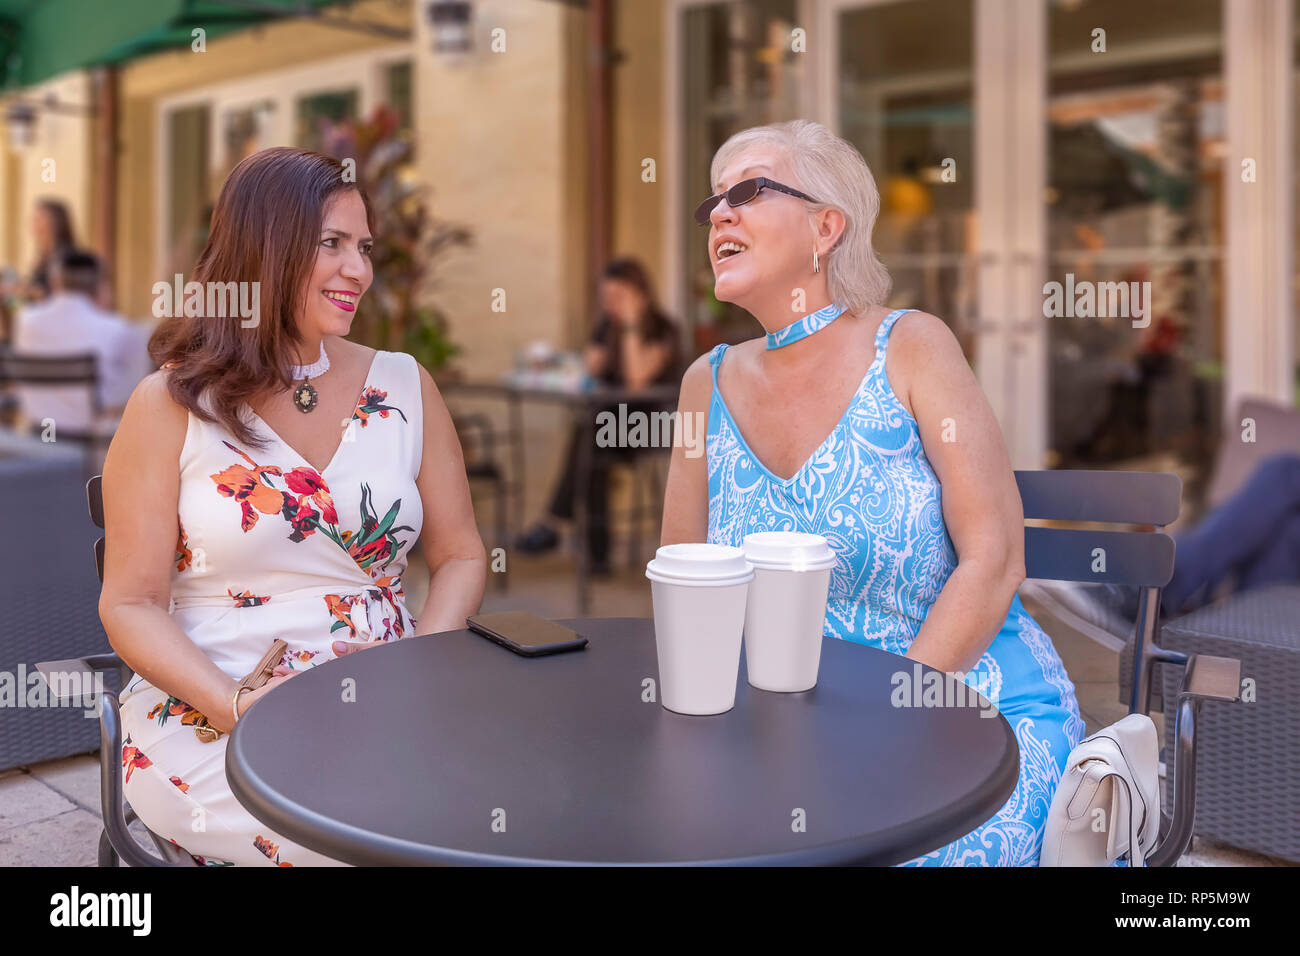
304,396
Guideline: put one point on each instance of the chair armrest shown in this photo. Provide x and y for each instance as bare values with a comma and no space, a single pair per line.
1206,678
1212,678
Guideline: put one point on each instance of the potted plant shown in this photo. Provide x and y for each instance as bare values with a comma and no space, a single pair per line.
397,314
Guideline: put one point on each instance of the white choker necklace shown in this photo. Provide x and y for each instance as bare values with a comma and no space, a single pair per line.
314,370
304,396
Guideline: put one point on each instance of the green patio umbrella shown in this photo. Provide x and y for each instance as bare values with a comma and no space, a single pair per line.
43,38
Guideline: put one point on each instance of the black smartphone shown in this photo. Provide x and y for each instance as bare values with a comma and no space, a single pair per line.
526,634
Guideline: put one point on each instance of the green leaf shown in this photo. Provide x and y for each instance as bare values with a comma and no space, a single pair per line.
382,528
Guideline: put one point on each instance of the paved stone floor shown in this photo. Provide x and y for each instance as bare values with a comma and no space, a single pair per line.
49,812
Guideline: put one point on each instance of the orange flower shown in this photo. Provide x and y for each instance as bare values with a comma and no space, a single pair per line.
246,487
248,598
133,757
266,847
341,607
183,555
181,784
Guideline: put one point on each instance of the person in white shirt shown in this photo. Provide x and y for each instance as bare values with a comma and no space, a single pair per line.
69,322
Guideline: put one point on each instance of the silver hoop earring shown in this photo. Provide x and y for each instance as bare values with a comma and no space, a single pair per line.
816,265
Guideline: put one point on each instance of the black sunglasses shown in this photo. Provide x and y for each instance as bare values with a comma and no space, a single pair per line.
743,192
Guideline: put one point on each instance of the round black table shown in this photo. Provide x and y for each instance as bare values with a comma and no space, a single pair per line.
449,749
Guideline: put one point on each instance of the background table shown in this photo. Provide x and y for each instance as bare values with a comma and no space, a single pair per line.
449,730
583,406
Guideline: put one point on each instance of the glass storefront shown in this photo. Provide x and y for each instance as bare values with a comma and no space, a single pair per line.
740,71
905,101
1130,186
1135,165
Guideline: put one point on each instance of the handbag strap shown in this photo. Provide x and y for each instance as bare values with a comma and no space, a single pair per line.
1136,852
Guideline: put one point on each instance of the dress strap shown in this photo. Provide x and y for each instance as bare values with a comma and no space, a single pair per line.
715,359
887,326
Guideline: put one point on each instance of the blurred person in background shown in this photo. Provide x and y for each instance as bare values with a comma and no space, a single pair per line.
634,344
70,322
52,231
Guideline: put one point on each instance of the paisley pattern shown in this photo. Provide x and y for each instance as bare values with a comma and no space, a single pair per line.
802,328
871,492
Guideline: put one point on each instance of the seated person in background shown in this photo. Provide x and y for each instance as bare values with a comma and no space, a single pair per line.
1251,540
633,345
69,323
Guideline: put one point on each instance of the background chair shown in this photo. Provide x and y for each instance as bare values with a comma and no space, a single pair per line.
116,844
58,371
481,444
1138,559
646,500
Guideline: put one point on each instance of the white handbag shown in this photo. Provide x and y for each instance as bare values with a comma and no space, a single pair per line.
1107,803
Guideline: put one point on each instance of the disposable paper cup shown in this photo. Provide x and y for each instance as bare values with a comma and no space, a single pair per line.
699,593
785,615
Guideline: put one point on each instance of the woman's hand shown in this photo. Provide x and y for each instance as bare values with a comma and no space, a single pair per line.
344,648
224,720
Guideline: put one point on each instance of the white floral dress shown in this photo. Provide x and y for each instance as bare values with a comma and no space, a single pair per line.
270,548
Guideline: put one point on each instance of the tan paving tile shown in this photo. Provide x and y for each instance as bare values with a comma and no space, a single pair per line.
67,839
24,799
76,778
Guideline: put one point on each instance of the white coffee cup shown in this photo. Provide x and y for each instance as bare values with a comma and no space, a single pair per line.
699,593
785,616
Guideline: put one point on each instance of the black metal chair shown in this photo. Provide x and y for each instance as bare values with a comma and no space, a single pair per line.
1137,559
116,844
646,501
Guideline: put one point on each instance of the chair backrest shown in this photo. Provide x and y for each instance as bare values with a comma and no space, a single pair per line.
1137,558
53,371
95,501
73,368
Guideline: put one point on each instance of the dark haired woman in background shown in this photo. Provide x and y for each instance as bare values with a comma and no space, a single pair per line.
308,466
52,230
634,344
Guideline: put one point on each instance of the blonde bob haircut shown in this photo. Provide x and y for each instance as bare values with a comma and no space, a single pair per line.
830,169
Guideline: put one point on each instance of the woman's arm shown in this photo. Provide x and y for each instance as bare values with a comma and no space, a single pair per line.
141,487
686,493
449,538
981,504
643,361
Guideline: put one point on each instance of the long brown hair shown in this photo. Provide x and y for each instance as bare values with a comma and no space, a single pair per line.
265,228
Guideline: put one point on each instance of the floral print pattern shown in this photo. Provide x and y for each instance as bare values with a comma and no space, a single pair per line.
372,402
319,552
248,598
184,558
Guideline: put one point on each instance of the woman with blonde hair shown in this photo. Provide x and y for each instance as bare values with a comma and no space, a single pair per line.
867,426
269,482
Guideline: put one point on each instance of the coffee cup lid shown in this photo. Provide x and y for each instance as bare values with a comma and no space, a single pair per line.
711,565
788,551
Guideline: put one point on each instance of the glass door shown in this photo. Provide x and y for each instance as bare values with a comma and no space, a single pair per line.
1134,279
740,69
903,94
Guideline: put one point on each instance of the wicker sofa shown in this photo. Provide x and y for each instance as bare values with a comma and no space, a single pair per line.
51,593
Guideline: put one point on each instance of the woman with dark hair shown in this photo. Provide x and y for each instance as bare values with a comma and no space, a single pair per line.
634,344
52,230
269,481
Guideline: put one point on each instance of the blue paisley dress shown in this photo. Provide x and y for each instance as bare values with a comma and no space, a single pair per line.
871,492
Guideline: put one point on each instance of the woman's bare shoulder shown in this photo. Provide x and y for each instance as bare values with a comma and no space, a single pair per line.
151,410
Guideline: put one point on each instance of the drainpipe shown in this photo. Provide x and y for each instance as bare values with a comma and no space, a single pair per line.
105,196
